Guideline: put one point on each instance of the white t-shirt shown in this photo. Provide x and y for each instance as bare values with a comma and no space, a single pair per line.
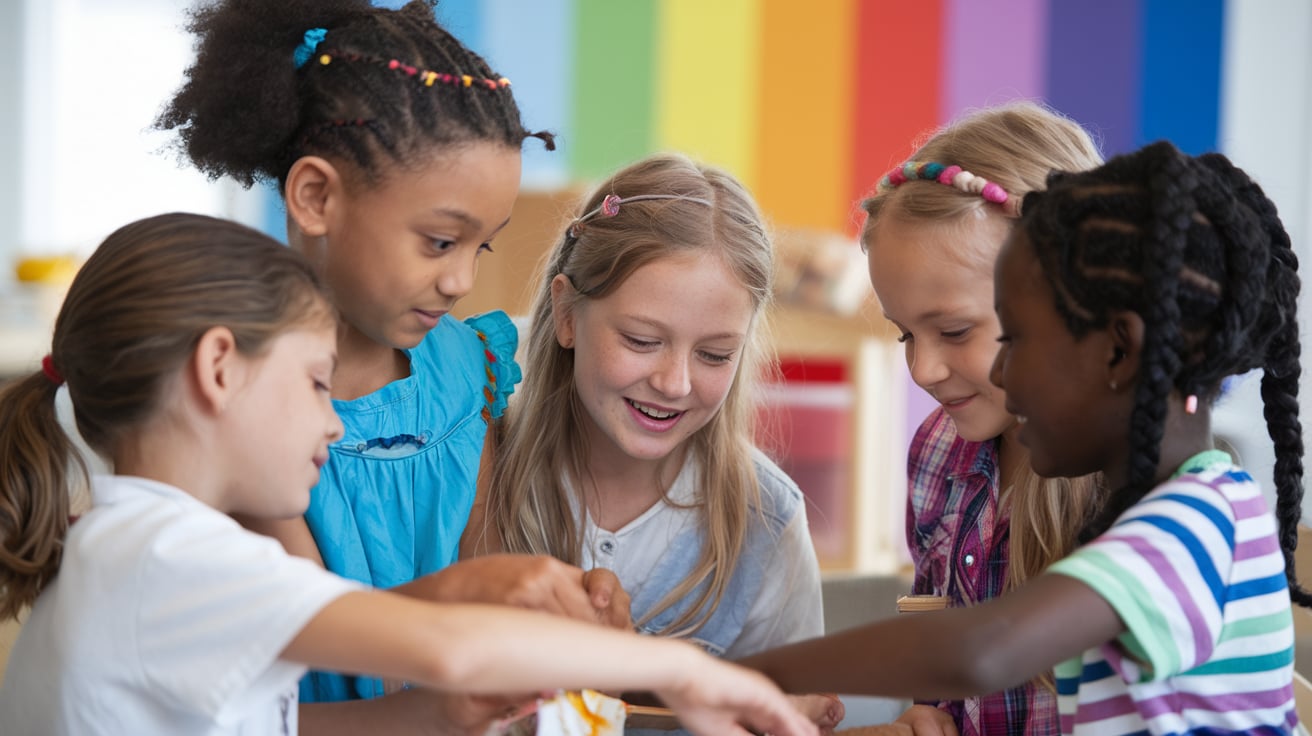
166,617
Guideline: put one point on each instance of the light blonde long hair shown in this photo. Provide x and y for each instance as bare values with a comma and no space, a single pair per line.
544,442
1015,145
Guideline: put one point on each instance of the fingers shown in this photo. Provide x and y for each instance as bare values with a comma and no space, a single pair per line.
537,582
778,718
610,602
824,710
926,720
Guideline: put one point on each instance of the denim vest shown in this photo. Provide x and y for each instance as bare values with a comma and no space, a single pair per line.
780,501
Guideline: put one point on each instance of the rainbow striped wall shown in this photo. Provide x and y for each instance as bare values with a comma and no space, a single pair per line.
810,103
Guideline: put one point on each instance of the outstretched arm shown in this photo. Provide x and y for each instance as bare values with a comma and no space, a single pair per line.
952,653
489,650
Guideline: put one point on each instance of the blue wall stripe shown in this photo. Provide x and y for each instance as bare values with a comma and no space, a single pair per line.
465,19
533,45
1181,94
1094,63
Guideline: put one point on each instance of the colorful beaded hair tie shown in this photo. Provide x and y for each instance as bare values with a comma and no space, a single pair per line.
610,206
953,176
423,76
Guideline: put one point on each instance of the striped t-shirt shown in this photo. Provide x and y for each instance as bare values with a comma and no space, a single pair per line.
1196,574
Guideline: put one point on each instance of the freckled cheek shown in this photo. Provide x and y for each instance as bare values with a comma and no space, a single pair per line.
713,389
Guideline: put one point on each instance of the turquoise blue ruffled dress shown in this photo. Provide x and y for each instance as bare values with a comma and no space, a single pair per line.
396,493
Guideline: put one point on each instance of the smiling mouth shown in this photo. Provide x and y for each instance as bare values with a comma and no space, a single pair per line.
652,412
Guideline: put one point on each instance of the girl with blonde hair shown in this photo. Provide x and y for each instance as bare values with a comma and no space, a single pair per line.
631,445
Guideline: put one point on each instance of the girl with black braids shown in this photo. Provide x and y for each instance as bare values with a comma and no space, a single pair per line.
1126,296
397,153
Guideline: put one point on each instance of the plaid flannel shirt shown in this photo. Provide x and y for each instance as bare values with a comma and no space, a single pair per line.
957,534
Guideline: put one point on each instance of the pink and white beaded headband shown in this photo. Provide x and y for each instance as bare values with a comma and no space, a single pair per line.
952,176
610,206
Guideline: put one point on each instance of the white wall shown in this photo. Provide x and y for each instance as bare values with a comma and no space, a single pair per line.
1266,128
93,77
11,128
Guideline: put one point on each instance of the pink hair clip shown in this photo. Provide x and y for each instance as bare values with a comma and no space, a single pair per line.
610,207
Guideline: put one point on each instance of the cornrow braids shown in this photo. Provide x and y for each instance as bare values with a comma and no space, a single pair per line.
1196,248
246,110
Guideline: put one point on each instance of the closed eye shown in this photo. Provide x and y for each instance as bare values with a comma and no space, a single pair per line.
639,343
955,334
715,358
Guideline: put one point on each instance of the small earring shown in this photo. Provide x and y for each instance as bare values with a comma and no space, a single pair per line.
1191,404
1112,384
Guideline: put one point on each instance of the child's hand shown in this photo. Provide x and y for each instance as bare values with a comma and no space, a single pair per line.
918,720
610,602
536,582
824,710
719,699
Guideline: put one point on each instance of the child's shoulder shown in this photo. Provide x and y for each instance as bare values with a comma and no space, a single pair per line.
481,348
780,496
1217,490
470,336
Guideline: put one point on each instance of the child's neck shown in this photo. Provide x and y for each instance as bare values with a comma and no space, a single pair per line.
1183,436
365,365
617,492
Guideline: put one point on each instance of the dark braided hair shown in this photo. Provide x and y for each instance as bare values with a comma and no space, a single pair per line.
1196,248
246,111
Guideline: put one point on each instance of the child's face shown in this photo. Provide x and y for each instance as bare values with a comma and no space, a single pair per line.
401,254
282,421
654,360
934,285
1057,385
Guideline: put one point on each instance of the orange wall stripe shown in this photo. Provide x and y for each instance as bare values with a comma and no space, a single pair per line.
806,112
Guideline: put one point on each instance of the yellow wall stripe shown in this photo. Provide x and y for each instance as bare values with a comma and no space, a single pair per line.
708,56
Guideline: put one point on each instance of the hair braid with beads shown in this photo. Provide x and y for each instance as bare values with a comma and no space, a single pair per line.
1196,248
247,111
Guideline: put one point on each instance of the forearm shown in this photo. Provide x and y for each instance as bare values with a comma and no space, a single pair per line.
483,649
920,656
953,653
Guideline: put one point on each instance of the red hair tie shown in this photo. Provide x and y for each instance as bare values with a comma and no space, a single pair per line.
48,368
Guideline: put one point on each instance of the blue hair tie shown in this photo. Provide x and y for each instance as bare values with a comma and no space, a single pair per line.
313,38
